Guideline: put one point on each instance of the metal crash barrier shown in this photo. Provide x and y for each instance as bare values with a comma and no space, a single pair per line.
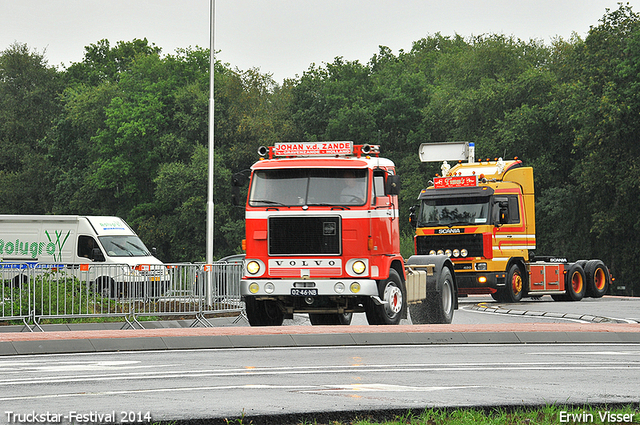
32,292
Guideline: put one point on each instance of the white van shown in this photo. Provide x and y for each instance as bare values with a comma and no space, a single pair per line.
116,255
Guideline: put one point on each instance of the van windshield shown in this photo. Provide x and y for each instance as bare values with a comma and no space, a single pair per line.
124,246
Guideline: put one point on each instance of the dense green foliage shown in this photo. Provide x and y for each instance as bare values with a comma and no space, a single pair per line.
124,132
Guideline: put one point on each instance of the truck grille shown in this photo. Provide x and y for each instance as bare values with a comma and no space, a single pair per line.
472,243
304,235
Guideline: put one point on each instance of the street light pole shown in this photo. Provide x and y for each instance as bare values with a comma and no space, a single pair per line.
210,203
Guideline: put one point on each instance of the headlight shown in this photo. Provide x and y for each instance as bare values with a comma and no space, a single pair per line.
481,266
358,267
464,252
440,252
254,288
456,253
448,253
253,267
269,288
339,287
355,287
432,252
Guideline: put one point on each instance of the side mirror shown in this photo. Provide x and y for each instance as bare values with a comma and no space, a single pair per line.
392,185
412,216
237,180
500,211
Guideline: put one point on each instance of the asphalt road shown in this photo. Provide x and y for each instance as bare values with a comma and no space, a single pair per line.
278,385
530,353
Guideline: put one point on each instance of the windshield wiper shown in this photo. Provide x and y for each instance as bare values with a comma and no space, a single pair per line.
144,251
267,201
326,204
122,248
429,224
457,223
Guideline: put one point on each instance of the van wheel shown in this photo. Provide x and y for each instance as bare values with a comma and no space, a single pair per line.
393,293
330,319
19,281
106,287
263,313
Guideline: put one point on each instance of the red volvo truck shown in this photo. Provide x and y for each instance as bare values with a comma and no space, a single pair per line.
322,237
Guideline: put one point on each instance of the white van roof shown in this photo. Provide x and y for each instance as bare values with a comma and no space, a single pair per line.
103,225
110,226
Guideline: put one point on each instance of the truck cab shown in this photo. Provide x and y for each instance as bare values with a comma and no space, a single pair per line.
322,235
482,216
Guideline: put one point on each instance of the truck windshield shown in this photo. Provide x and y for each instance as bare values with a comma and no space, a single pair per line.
124,246
454,211
308,186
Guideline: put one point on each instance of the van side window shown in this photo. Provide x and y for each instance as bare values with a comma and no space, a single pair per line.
86,244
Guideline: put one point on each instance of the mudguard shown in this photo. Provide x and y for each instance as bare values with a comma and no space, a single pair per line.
439,262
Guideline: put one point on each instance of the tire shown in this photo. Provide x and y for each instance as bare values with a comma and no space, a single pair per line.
330,319
575,283
392,291
598,278
106,287
496,296
19,281
514,288
263,313
439,306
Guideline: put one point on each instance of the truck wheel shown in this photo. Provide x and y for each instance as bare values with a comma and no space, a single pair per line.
330,319
512,292
392,291
438,307
597,276
575,283
263,313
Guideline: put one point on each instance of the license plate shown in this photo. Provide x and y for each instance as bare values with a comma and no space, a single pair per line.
304,292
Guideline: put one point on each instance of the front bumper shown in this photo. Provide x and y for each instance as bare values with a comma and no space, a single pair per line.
334,287
472,282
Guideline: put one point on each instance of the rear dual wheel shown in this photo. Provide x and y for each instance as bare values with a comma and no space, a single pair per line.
574,284
439,306
597,278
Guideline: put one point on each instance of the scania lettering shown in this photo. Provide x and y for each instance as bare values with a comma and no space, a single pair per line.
72,242
322,238
482,216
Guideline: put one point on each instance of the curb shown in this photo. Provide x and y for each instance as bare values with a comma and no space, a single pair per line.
65,342
585,317
97,345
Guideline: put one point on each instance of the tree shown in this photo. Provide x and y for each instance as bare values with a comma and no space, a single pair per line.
29,91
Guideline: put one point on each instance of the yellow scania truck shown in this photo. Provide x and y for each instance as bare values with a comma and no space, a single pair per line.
482,215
